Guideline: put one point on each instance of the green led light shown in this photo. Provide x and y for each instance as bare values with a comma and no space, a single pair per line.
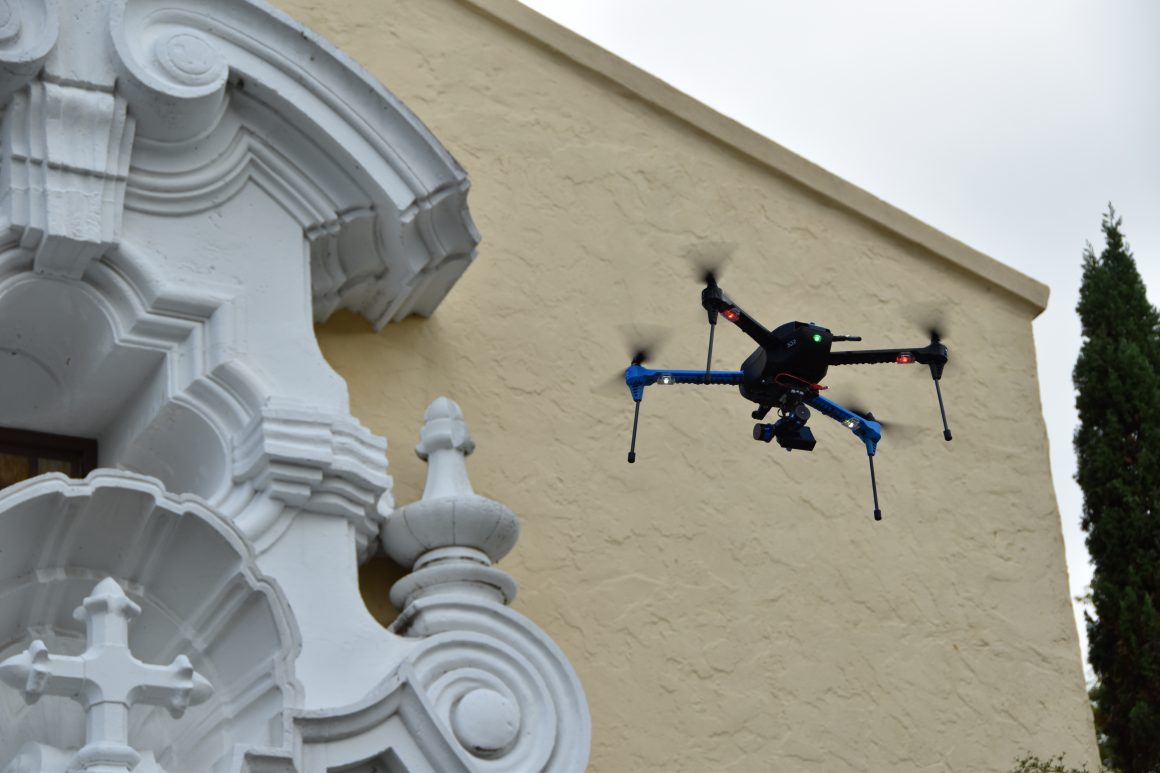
817,338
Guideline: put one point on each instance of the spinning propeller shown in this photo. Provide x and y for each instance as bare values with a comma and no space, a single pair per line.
785,371
708,260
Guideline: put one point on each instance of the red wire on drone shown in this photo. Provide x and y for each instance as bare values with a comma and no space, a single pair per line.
815,387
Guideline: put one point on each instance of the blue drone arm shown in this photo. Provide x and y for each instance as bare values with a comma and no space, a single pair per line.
866,430
637,377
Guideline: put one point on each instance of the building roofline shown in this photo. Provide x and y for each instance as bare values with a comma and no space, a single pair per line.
780,160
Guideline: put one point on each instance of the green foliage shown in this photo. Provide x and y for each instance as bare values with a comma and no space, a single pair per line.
1117,378
1101,721
1032,764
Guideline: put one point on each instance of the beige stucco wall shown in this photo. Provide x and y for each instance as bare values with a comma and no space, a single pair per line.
727,605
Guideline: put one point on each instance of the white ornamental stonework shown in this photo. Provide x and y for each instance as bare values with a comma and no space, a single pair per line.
186,186
508,693
452,536
201,597
106,680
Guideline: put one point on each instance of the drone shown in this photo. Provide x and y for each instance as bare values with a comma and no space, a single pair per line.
785,372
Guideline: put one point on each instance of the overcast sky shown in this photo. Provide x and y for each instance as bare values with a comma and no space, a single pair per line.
1008,126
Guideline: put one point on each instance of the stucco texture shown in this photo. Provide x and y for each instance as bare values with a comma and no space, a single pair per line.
727,605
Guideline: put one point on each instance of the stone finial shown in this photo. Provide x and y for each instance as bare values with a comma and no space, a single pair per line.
452,536
444,444
106,679
444,428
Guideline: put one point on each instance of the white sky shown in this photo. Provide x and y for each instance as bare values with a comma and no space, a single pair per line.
1008,126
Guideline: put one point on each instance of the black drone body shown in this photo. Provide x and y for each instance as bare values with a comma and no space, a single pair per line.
785,372
797,353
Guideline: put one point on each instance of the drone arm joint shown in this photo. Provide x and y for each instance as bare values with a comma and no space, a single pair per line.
866,430
715,301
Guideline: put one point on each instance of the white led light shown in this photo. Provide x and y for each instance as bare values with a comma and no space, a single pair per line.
851,422
665,378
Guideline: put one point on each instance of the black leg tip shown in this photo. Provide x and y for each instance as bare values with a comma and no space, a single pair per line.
631,457
877,515
947,435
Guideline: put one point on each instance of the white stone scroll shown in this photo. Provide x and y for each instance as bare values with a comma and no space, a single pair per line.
504,688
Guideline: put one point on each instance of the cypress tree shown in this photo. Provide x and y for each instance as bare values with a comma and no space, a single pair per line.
1117,380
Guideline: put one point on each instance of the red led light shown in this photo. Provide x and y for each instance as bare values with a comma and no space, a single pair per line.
904,359
732,314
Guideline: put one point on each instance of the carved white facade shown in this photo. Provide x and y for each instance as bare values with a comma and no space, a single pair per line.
186,186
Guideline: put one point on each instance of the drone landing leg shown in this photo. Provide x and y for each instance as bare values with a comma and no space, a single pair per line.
874,488
942,411
709,359
632,447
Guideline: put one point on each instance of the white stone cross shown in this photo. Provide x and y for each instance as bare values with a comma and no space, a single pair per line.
106,679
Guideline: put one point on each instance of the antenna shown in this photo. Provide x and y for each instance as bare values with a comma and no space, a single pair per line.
632,446
874,487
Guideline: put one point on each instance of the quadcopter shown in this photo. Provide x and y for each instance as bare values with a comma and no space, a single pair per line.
785,372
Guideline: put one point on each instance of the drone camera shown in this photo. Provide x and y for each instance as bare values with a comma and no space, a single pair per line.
793,437
790,434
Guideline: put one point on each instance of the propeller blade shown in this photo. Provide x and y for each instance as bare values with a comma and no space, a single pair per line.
860,409
895,429
642,342
931,320
902,431
708,259
613,386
